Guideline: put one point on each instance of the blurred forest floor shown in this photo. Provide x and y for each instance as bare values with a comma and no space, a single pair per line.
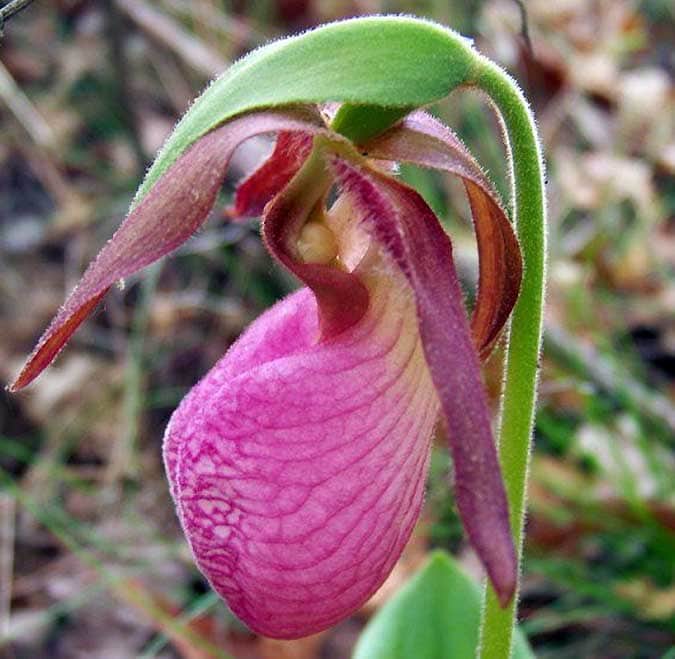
92,561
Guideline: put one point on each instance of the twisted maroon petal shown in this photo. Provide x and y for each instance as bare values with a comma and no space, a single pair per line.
422,140
254,192
343,299
166,217
407,229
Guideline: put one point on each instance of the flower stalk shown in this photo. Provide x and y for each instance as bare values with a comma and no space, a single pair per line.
528,208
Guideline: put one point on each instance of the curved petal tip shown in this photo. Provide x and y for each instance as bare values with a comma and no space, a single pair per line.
174,208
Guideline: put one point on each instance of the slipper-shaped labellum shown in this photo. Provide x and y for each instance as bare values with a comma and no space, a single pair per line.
298,463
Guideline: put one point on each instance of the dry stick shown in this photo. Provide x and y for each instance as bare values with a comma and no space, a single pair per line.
115,33
7,512
524,27
239,33
10,9
42,139
198,16
179,92
165,30
47,167
24,111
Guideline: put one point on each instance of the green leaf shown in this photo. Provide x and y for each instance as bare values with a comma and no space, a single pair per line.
387,61
434,616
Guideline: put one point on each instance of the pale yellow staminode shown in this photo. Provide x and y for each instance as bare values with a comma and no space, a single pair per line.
317,243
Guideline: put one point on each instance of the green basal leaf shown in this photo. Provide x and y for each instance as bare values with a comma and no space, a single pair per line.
386,61
434,616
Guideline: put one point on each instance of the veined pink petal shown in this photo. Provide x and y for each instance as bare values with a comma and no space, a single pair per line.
404,225
252,194
298,466
166,217
422,140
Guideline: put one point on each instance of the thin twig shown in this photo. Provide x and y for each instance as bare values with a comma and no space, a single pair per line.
7,512
24,111
171,34
239,33
42,149
525,27
10,9
48,169
115,34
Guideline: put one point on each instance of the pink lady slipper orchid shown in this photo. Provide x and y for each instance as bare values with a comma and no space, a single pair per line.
298,464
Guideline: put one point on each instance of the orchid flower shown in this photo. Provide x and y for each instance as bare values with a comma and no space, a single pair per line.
298,463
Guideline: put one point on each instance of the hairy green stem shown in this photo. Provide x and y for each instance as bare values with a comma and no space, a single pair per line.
524,341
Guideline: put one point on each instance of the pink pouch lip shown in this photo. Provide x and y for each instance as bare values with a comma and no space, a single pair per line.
317,494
